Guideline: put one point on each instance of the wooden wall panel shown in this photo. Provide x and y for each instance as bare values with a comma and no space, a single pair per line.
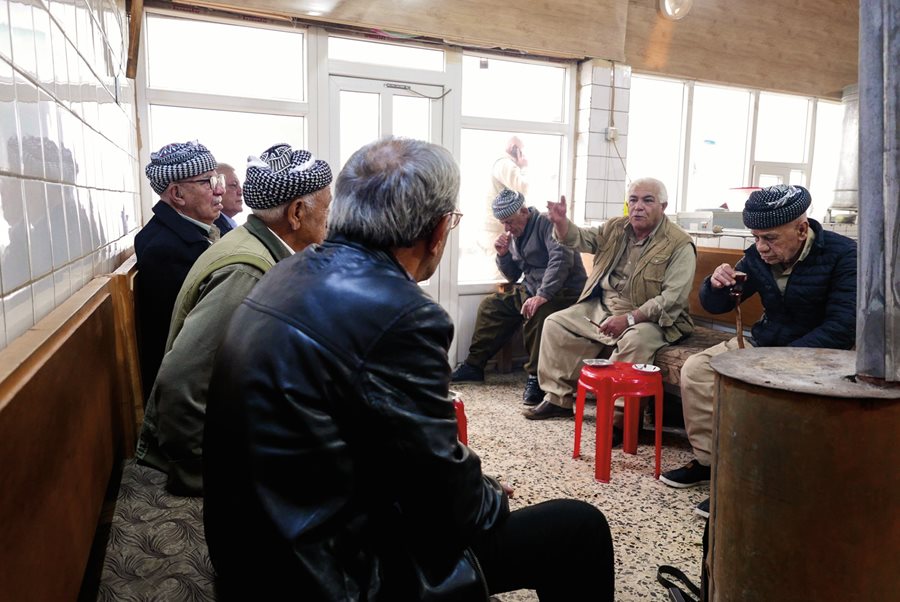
59,434
566,28
800,46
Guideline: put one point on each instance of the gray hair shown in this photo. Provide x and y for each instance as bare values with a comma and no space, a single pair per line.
393,192
661,195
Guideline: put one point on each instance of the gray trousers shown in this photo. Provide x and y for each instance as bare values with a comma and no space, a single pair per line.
568,339
499,315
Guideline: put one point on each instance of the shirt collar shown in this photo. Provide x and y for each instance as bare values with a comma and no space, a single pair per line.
206,227
281,240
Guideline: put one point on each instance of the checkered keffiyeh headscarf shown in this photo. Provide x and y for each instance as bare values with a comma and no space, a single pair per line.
281,174
775,206
507,203
178,161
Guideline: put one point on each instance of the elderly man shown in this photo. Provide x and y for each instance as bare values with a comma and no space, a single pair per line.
508,169
637,294
331,464
806,279
181,229
553,277
232,200
288,191
507,172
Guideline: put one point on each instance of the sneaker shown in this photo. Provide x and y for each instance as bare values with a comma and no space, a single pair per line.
703,508
533,394
467,373
690,475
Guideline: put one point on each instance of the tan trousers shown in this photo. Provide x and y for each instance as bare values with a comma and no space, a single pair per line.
697,389
568,339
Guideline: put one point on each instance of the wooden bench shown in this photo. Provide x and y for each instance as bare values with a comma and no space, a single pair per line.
67,419
670,359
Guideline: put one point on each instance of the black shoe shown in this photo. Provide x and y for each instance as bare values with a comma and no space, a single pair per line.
467,373
703,508
690,475
533,394
545,410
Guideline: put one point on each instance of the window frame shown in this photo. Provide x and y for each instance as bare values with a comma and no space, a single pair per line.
752,167
147,96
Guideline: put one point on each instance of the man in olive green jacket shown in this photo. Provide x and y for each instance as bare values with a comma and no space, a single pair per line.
635,300
288,191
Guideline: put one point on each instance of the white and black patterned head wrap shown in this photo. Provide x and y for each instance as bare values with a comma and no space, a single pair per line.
281,174
507,203
775,206
178,161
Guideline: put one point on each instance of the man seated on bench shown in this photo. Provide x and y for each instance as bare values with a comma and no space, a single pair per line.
806,279
289,193
637,294
553,277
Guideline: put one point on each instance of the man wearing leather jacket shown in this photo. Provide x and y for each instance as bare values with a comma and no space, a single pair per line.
332,468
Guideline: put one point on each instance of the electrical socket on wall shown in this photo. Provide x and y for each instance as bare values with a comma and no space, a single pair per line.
611,134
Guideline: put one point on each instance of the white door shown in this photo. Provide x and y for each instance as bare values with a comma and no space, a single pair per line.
363,110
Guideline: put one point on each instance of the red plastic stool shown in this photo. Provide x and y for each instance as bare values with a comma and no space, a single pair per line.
461,422
609,383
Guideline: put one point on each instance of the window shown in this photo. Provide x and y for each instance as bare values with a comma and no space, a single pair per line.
782,128
826,156
231,60
504,98
513,90
480,150
239,89
713,126
656,126
718,145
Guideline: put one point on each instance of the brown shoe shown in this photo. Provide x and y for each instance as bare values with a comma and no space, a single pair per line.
545,410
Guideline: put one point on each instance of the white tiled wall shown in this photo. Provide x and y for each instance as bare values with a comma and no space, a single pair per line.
68,153
603,97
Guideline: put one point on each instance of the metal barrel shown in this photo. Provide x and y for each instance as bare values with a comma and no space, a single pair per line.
806,480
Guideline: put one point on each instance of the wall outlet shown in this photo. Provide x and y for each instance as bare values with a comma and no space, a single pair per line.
612,134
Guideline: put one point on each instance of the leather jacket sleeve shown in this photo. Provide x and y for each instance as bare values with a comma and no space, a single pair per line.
437,487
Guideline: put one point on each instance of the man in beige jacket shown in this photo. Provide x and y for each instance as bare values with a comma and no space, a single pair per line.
637,293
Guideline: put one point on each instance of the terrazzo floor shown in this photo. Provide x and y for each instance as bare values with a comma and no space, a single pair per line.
651,523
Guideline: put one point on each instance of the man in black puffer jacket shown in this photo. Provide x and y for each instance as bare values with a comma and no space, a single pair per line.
806,279
332,468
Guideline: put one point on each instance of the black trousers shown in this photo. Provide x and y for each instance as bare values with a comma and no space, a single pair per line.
561,548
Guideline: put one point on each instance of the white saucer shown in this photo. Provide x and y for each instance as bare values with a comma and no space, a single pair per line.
645,367
598,362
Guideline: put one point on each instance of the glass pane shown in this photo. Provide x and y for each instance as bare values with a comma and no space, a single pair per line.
220,60
412,117
392,55
480,151
781,128
654,132
718,150
360,122
512,90
229,135
766,180
827,157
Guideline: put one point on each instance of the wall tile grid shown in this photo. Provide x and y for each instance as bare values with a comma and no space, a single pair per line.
603,98
69,205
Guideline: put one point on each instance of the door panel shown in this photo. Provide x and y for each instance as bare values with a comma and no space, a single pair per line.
368,109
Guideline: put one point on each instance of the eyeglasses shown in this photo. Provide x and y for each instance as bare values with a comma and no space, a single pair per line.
216,181
455,216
